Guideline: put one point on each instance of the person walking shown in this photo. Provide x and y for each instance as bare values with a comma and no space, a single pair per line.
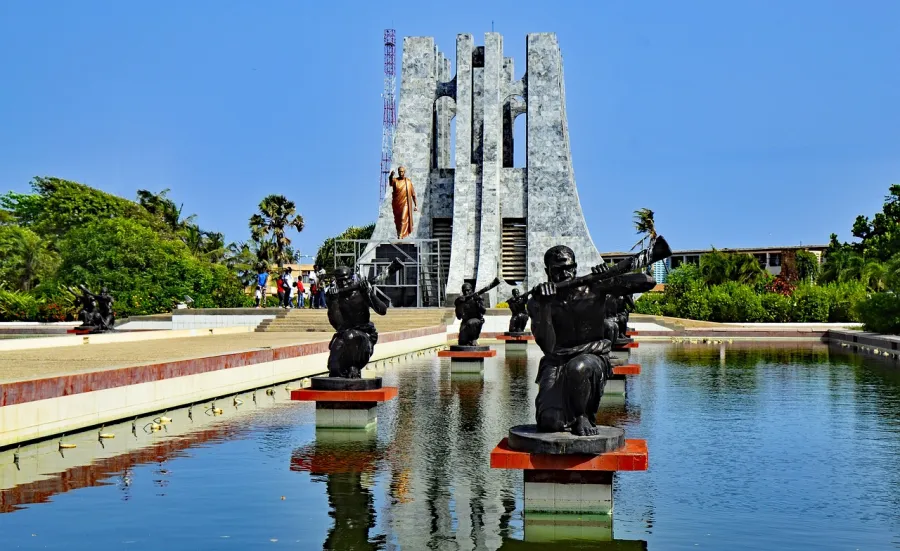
262,277
313,289
287,283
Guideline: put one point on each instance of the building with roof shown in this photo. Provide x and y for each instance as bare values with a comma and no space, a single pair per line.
769,258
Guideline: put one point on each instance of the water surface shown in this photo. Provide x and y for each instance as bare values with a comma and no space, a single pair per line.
750,448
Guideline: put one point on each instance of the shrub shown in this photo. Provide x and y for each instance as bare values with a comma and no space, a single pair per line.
843,299
880,313
693,303
777,308
18,306
812,304
650,304
734,302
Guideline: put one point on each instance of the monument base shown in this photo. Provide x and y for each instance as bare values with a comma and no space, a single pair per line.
345,415
516,341
569,491
615,385
622,346
467,359
345,403
571,483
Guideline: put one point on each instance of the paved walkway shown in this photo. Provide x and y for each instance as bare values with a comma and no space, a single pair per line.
47,362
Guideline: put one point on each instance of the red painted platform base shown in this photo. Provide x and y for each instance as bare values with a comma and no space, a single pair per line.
571,483
627,369
345,409
511,338
623,347
615,385
466,355
630,333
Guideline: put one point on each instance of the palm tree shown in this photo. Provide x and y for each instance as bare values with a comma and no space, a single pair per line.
192,236
644,224
213,246
243,260
744,268
276,214
715,267
166,209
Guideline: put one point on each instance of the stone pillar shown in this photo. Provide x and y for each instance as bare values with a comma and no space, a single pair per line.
492,159
554,211
569,491
462,250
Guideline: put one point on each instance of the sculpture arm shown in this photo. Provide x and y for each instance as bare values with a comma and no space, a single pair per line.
458,304
629,302
542,324
375,301
481,308
412,191
334,314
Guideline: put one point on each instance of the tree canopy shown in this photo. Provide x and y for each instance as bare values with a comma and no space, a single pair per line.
325,255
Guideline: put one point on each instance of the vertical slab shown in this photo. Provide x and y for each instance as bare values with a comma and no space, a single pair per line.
414,136
462,253
508,117
489,243
554,211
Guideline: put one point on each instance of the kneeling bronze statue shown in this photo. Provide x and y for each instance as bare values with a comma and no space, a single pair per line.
519,315
348,312
568,320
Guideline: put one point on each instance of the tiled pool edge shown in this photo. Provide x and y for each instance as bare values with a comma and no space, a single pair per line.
40,408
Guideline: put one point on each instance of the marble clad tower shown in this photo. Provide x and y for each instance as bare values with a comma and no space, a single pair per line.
496,220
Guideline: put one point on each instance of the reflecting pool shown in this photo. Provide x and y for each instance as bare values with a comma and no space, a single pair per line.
751,447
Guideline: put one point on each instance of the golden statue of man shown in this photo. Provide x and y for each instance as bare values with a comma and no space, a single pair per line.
403,201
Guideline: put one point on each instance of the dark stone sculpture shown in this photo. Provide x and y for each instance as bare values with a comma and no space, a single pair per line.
519,314
470,311
568,319
348,312
94,311
624,305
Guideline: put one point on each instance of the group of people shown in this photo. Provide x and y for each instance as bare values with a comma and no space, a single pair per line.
291,293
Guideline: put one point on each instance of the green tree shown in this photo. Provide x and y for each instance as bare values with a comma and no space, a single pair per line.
276,214
145,272
58,205
25,258
645,225
325,255
165,209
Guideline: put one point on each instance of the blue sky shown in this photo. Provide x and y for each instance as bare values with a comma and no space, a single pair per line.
741,123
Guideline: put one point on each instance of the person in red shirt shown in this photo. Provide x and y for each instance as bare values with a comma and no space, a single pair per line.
280,285
313,289
300,292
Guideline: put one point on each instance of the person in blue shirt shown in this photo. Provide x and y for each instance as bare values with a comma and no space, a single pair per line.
262,279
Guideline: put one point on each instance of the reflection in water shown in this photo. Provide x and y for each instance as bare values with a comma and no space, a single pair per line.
345,460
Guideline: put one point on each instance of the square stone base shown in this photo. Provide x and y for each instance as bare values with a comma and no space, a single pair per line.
518,346
614,386
569,492
555,527
345,415
466,365
612,401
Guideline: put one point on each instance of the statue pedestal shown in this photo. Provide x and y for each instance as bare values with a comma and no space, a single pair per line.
516,341
615,385
467,359
624,345
560,477
345,403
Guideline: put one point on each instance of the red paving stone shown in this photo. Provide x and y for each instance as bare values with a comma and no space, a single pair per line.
632,457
